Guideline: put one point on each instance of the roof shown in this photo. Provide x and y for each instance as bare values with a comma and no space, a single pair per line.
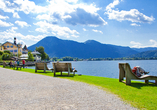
12,43
35,53
24,55
25,48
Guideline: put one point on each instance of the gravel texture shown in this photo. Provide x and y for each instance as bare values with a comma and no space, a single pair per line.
26,91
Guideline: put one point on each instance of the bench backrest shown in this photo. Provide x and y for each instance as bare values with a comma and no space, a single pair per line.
40,66
126,71
58,67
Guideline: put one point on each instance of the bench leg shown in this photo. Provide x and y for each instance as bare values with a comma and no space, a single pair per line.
128,81
146,81
54,73
156,82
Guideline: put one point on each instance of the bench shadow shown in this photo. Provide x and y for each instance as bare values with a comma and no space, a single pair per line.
63,76
138,85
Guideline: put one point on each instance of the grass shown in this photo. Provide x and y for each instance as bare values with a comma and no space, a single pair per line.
138,94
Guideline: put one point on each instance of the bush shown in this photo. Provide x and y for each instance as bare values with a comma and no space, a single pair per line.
6,56
30,56
1,52
7,51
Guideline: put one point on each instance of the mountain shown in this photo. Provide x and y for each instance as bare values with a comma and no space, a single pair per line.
146,54
56,47
144,49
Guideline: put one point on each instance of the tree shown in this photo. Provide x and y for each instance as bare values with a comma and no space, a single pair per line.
7,51
67,58
43,54
55,59
6,56
30,56
47,57
1,52
19,54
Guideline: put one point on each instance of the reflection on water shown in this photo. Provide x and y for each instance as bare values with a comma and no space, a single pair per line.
110,68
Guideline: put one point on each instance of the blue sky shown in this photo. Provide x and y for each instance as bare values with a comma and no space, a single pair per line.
119,22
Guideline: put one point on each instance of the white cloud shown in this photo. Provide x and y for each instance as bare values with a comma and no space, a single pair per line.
11,33
44,17
153,43
72,1
133,15
29,7
69,11
73,13
22,23
5,24
136,44
97,31
21,5
46,27
4,17
84,29
112,5
15,15
41,30
134,24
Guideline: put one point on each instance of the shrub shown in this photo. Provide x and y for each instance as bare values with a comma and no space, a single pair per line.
6,56
1,52
7,51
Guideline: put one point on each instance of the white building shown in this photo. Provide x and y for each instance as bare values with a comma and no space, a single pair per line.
36,55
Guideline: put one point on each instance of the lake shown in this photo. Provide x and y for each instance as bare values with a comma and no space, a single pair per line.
110,68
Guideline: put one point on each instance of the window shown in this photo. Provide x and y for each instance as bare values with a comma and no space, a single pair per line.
15,50
11,46
8,46
11,50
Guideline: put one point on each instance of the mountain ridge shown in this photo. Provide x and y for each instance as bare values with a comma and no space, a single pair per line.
56,47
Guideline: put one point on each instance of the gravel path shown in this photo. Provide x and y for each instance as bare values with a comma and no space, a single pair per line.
26,91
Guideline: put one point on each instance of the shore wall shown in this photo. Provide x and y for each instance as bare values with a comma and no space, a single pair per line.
28,63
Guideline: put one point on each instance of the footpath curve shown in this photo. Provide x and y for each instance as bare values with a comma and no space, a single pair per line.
27,91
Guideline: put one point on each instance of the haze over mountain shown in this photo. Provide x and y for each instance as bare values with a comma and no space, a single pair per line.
146,54
144,49
56,47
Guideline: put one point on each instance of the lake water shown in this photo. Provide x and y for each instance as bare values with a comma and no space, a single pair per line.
110,68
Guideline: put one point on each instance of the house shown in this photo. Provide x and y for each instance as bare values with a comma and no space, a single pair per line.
14,48
24,53
25,50
36,55
1,47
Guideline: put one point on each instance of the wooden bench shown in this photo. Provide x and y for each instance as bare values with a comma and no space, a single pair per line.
42,66
60,67
17,66
5,65
126,71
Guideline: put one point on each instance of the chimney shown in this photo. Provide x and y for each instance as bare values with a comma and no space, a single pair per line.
15,40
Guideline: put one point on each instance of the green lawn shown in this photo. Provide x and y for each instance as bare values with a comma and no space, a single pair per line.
138,94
